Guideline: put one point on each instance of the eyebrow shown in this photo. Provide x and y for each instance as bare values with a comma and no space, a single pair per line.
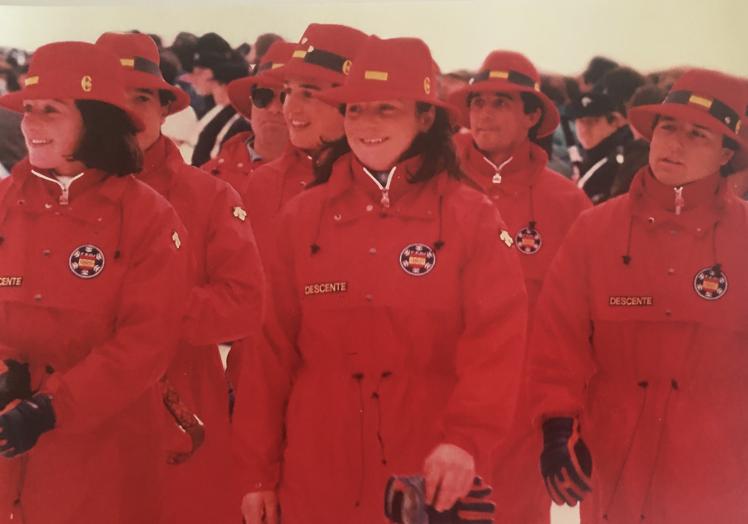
146,91
310,86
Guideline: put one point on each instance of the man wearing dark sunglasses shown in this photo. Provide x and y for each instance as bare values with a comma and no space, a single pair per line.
258,99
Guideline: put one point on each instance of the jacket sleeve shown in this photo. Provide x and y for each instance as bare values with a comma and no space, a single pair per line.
145,330
560,351
229,305
268,369
491,349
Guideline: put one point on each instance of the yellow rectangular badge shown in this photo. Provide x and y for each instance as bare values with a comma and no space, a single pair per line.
31,81
299,53
127,62
376,75
498,74
700,101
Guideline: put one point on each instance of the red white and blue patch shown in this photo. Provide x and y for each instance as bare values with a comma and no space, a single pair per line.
86,261
528,241
417,259
710,283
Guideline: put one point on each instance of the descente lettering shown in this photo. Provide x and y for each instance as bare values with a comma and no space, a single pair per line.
11,281
631,301
324,288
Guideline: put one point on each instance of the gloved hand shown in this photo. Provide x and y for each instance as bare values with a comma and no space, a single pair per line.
15,382
405,504
21,426
566,462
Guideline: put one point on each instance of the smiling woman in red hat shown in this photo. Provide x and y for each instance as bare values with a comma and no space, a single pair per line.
226,301
641,327
257,98
506,113
397,337
88,318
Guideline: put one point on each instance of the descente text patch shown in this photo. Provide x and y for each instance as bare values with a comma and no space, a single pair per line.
325,288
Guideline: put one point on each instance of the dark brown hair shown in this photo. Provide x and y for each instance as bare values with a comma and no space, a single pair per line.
108,141
435,147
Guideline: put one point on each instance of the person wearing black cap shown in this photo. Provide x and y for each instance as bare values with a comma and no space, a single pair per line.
215,65
602,130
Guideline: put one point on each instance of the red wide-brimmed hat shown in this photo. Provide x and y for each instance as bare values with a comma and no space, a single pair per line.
139,58
266,73
708,98
390,69
507,71
76,70
324,53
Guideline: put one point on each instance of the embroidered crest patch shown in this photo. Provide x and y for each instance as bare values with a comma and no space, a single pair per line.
710,283
86,261
417,259
528,241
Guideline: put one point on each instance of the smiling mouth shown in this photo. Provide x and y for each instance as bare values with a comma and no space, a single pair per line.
372,141
299,124
671,162
37,142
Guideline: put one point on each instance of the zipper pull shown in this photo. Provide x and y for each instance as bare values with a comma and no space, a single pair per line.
64,195
680,202
496,179
385,198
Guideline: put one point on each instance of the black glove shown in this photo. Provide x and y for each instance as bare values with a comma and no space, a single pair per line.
15,382
405,504
21,426
566,462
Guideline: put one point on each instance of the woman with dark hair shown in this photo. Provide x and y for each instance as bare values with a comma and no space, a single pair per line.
639,343
93,276
397,337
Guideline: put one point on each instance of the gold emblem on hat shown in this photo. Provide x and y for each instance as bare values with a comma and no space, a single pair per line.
427,85
347,67
382,76
87,83
31,81
700,101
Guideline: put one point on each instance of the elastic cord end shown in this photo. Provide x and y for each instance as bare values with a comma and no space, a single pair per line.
314,248
626,259
438,245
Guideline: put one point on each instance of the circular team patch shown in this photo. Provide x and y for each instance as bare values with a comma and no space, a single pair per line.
417,259
86,261
528,241
710,283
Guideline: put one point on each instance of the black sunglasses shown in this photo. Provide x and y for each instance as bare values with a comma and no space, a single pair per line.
263,96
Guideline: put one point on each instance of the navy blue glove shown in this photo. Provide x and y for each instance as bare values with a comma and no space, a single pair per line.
405,504
21,426
566,462
15,382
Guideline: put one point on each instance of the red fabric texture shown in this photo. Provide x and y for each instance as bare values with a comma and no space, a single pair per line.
98,345
659,383
365,367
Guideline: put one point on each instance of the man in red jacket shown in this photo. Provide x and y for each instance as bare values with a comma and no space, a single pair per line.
225,303
640,332
506,112
258,99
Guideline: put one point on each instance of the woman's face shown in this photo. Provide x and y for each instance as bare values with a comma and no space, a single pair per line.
380,132
52,129
311,122
682,152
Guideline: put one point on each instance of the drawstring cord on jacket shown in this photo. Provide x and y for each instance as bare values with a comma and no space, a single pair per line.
385,188
497,169
359,377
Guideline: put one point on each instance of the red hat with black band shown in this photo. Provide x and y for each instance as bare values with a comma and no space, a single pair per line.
265,73
507,71
707,98
139,58
76,70
325,53
390,69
